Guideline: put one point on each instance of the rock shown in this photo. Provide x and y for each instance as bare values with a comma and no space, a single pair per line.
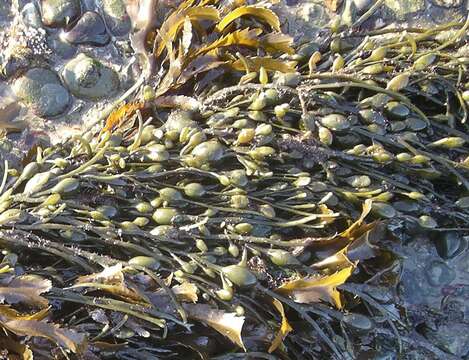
30,16
455,307
447,3
439,274
305,19
20,4
57,13
358,321
11,120
89,30
18,60
115,16
88,4
407,206
41,90
452,337
396,110
27,86
403,8
448,244
60,47
53,99
88,78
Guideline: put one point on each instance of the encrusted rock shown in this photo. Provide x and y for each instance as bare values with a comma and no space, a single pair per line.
41,90
89,79
23,46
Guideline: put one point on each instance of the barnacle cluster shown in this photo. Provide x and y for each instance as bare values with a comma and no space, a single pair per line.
21,43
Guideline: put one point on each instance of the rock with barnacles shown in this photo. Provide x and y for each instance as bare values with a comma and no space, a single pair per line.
90,79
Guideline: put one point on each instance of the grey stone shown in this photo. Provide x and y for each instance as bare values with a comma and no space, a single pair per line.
17,61
89,30
88,78
56,13
31,16
53,100
40,89
115,16
61,47
439,15
29,85
304,20
88,5
21,3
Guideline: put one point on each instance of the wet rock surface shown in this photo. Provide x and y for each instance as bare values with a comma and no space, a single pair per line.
5,8
313,14
443,336
433,287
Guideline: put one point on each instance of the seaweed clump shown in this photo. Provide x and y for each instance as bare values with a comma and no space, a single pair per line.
245,203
